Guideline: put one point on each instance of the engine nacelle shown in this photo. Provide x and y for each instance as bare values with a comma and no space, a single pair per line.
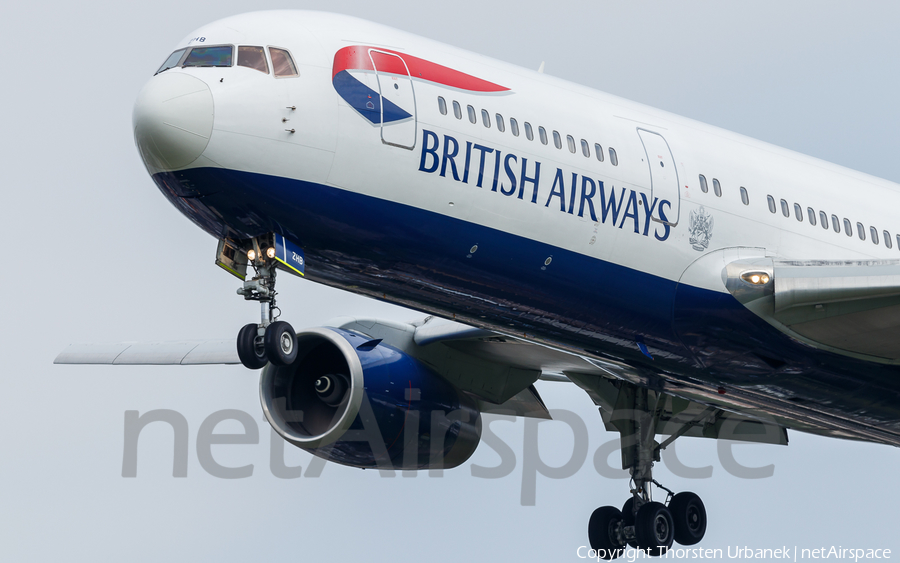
360,402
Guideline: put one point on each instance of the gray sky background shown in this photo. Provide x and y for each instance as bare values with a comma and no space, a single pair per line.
96,254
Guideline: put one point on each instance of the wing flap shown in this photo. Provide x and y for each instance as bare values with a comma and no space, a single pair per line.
678,416
525,403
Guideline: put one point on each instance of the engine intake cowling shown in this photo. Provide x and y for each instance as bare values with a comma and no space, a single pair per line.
360,402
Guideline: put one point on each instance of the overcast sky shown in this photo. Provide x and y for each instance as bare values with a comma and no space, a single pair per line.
96,254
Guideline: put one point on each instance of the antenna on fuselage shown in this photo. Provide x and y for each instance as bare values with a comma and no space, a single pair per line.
541,68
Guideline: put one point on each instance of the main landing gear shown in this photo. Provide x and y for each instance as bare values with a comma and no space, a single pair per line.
642,522
271,340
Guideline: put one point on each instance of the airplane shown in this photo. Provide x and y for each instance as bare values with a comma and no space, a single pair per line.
694,282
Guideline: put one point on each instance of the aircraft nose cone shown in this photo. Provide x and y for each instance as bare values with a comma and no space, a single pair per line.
173,119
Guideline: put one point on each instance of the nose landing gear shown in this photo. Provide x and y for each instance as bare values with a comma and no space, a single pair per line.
271,340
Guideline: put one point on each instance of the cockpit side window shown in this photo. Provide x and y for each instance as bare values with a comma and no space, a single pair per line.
253,57
282,63
172,61
219,55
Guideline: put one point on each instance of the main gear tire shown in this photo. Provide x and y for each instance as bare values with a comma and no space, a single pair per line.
603,532
689,517
654,528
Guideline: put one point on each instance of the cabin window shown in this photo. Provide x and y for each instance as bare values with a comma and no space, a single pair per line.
848,227
209,56
557,140
571,141
613,159
172,61
500,125
282,63
812,216
717,188
823,218
486,118
457,110
598,150
585,148
514,126
785,209
861,231
442,105
744,197
874,233
253,57
836,223
798,212
543,134
472,117
898,241
887,238
771,202
529,133
705,188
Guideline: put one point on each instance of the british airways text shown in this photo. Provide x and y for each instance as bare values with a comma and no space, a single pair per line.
523,179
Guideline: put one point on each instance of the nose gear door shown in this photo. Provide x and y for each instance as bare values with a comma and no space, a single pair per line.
398,99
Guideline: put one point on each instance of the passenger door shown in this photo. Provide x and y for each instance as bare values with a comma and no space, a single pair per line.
663,176
398,99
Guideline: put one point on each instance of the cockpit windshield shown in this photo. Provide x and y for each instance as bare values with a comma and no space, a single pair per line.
253,57
283,65
172,61
209,56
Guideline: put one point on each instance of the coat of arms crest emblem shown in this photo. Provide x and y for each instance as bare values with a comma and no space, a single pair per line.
701,225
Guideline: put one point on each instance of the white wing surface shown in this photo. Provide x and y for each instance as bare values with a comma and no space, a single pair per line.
182,352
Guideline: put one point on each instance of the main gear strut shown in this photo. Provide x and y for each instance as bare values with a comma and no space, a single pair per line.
644,523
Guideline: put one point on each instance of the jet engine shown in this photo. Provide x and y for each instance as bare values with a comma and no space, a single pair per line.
360,402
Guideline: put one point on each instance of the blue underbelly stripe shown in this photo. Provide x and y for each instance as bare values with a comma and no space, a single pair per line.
422,259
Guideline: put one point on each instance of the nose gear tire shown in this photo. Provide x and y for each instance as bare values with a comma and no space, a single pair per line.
251,356
281,343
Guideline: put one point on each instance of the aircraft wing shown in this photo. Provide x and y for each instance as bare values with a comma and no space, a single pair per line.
182,352
499,370
847,307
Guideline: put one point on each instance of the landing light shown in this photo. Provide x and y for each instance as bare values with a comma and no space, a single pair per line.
251,255
756,278
270,252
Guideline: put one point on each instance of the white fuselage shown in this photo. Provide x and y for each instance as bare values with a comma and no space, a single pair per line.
324,163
